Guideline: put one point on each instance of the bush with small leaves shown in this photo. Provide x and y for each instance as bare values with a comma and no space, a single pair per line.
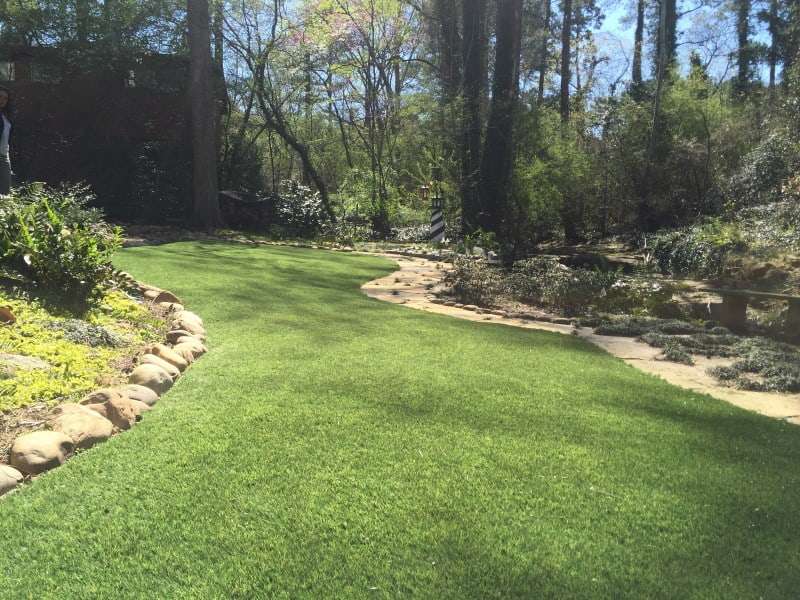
53,240
298,210
475,281
544,281
673,352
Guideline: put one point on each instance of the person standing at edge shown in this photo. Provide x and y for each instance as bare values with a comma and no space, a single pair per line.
5,162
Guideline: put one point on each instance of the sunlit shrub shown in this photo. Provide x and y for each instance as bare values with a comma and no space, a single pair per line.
53,240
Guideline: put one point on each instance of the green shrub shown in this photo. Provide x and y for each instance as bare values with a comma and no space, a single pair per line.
299,212
81,332
52,239
418,233
622,328
640,297
345,232
639,326
475,281
776,225
763,171
699,251
543,280
673,352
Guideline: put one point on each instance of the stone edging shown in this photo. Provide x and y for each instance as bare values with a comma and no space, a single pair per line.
415,285
108,411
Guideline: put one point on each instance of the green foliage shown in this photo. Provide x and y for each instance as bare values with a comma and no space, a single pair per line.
345,232
50,237
299,211
764,365
699,251
363,196
78,351
640,297
412,233
639,326
546,282
763,172
553,173
475,282
81,332
675,353
486,240
773,227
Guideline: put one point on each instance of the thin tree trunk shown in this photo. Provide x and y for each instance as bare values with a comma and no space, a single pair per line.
277,124
773,47
666,36
334,110
449,48
638,44
308,105
82,20
112,31
664,59
205,212
221,100
474,52
566,38
743,51
543,51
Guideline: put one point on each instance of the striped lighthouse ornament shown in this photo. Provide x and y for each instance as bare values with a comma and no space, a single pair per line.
437,220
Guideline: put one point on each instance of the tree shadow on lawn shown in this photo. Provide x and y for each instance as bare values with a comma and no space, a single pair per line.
318,299
220,257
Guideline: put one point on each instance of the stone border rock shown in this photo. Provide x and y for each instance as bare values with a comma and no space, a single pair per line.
418,281
108,411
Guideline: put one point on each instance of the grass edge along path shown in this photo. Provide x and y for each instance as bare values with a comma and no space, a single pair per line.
331,445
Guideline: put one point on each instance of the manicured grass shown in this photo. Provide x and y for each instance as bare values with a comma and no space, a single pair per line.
331,445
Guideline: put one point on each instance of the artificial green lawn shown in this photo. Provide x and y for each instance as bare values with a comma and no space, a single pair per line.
331,445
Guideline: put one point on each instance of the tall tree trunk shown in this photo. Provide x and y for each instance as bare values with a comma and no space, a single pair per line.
308,105
667,39
665,57
638,44
566,38
448,43
543,51
222,102
82,20
773,47
474,52
219,39
569,213
205,211
497,165
112,30
743,51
